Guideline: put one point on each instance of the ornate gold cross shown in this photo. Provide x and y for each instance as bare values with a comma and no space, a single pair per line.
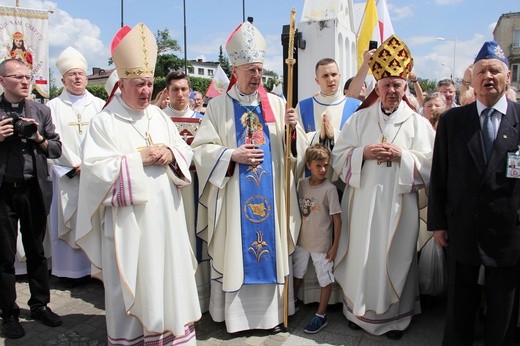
388,163
78,123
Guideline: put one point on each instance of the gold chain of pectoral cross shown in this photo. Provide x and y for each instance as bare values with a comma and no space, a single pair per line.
147,136
78,123
385,140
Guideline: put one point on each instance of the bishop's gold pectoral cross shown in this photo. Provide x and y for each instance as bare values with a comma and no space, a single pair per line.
78,123
388,163
148,139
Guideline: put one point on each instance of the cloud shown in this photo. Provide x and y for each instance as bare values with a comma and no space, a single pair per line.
434,59
399,12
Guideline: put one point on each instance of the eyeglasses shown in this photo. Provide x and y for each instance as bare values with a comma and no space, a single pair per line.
75,73
253,70
20,77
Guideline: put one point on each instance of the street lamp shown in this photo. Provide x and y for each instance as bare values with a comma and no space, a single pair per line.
454,51
451,71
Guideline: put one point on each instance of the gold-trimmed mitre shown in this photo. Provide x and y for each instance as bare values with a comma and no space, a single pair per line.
135,53
391,59
245,45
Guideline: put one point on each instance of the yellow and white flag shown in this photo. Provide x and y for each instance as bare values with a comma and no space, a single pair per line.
375,25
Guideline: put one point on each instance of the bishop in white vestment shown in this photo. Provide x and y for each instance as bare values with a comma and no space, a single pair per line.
383,155
71,113
239,156
131,216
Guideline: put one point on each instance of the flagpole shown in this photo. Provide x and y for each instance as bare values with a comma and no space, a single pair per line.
290,61
122,20
185,47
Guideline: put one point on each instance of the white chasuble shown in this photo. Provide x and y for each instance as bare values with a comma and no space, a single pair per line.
131,223
258,306
376,261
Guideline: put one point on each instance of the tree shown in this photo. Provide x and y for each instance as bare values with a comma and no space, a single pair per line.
271,82
53,89
168,62
165,43
224,62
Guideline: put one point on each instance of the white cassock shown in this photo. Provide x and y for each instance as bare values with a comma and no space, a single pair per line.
131,224
190,199
71,116
242,307
376,263
333,106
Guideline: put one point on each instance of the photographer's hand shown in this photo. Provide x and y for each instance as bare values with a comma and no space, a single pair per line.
6,129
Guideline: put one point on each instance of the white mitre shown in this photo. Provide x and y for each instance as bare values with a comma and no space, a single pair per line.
70,58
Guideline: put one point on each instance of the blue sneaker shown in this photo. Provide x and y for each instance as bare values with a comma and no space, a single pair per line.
316,324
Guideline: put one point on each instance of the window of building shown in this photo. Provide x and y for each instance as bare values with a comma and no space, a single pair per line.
200,72
210,72
516,38
515,73
191,70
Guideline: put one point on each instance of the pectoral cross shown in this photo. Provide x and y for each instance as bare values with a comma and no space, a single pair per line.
78,123
388,163
148,139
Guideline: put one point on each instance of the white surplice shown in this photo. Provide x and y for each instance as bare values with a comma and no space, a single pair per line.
376,261
131,224
71,116
241,306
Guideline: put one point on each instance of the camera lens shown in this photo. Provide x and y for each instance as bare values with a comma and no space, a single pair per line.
25,129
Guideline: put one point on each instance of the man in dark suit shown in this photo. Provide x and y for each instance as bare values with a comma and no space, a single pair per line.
474,203
27,140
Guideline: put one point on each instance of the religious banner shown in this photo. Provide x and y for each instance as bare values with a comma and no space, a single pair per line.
23,33
187,127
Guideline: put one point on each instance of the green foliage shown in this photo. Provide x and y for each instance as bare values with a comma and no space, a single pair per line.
199,84
165,43
168,62
159,83
98,90
273,81
224,63
428,85
53,89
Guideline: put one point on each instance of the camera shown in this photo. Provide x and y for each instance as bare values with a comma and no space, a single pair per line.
22,127
372,45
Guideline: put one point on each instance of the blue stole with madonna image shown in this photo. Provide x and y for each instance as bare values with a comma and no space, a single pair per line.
256,199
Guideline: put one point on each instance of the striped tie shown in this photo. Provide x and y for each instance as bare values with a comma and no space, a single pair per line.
488,134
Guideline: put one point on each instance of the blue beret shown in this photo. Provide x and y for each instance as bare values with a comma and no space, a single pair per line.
491,50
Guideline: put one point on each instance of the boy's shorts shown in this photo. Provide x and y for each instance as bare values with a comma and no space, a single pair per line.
323,267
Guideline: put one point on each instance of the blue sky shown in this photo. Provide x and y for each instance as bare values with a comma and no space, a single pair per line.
89,26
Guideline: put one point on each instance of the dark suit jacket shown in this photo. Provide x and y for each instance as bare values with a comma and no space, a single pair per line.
474,201
42,115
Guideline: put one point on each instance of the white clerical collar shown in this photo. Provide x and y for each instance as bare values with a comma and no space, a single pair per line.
248,100
77,100
389,117
186,113
131,112
330,99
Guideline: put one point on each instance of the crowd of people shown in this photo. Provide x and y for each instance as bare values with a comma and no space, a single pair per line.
181,208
